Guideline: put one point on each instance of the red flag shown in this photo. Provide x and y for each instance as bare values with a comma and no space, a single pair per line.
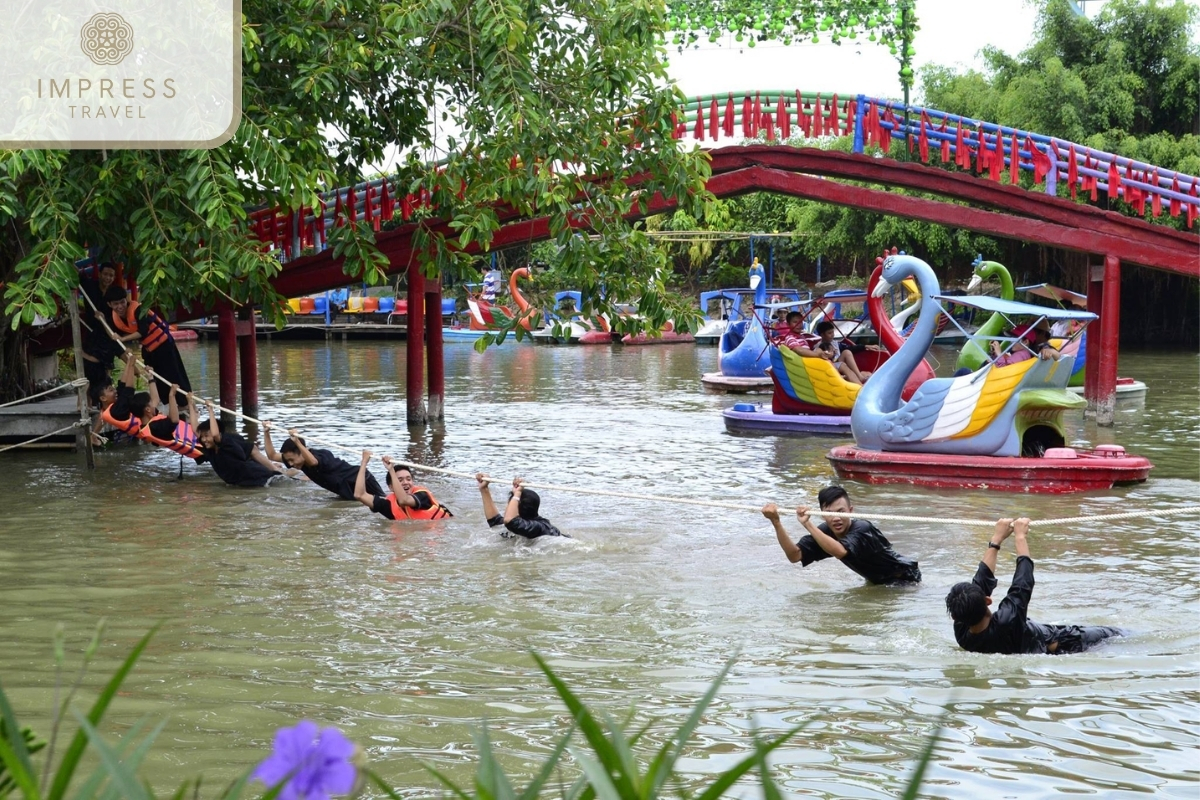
371,217
784,117
351,203
1091,182
945,138
799,113
1041,161
747,109
339,218
729,116
768,125
835,125
996,160
1156,196
982,154
962,157
406,207
1192,207
1072,169
756,116
674,125
386,204
923,141
818,118
698,132
1175,200
714,126
1014,162
1114,180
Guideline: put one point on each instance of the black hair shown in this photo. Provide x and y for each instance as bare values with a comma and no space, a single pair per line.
203,427
824,325
966,603
830,495
792,315
115,294
528,505
290,446
139,402
97,389
106,265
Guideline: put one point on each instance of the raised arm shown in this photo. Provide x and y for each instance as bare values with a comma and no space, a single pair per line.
213,427
824,541
272,455
1004,529
512,508
360,483
127,375
1020,528
173,403
402,497
485,493
771,512
152,387
309,459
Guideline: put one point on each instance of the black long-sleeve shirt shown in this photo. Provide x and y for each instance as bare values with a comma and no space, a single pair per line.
527,528
868,552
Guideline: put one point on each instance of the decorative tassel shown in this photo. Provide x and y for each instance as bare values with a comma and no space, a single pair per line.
386,204
756,116
945,142
729,116
1192,208
835,125
747,110
783,117
1014,162
1156,198
1114,180
698,132
714,120
1041,161
351,205
818,122
962,156
982,154
406,207
1175,204
768,126
339,214
996,160
923,142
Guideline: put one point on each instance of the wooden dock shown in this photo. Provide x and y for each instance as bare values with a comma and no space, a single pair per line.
306,329
26,421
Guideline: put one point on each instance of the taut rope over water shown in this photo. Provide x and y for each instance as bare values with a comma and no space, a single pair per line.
965,522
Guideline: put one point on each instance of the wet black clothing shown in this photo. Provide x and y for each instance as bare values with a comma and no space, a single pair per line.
868,552
527,528
161,428
165,361
335,475
382,505
1010,631
233,463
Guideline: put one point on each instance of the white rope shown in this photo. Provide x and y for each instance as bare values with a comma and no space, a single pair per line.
79,424
75,384
965,522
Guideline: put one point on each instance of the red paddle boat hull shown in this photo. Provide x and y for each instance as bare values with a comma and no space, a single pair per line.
1082,471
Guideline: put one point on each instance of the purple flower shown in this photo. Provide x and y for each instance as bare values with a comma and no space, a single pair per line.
315,766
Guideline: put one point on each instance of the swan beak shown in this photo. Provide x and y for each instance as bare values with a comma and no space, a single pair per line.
974,284
755,280
881,288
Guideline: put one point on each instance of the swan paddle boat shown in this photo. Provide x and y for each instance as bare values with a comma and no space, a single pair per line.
811,396
998,427
482,315
1128,389
566,325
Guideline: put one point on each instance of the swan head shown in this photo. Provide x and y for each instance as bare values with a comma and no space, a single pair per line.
976,282
881,288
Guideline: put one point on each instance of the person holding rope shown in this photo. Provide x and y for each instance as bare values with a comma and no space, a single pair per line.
321,467
236,461
855,542
158,346
405,501
1009,631
136,415
520,517
99,351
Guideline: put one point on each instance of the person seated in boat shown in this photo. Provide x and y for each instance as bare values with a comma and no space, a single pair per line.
236,461
492,281
320,466
406,501
1008,630
840,354
857,543
520,517
1033,342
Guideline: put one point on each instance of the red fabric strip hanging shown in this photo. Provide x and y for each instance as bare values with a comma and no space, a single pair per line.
1156,197
768,125
945,142
747,110
698,131
714,120
817,114
783,117
1014,162
1175,204
835,125
1114,180
729,116
923,142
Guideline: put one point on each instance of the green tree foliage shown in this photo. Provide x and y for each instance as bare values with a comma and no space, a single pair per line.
1127,81
521,101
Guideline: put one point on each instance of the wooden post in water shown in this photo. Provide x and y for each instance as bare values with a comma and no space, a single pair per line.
433,344
227,359
1110,338
83,436
415,347
248,356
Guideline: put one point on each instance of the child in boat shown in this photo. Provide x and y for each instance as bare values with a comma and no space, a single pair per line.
855,542
520,517
320,466
1008,630
406,501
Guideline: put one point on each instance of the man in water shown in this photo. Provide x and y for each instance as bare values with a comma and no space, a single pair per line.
1008,631
236,461
855,542
520,517
405,501
320,466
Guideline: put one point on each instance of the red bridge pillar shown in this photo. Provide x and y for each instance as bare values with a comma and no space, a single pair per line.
415,347
227,358
433,341
248,355
1104,299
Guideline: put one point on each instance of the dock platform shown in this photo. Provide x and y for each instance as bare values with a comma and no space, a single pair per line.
309,329
29,420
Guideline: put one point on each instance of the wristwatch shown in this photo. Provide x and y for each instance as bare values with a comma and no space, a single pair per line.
993,545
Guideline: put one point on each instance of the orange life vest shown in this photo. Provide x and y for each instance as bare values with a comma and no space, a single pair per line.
183,441
435,511
131,426
157,333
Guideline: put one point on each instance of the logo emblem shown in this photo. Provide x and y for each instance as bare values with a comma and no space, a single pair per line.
106,39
